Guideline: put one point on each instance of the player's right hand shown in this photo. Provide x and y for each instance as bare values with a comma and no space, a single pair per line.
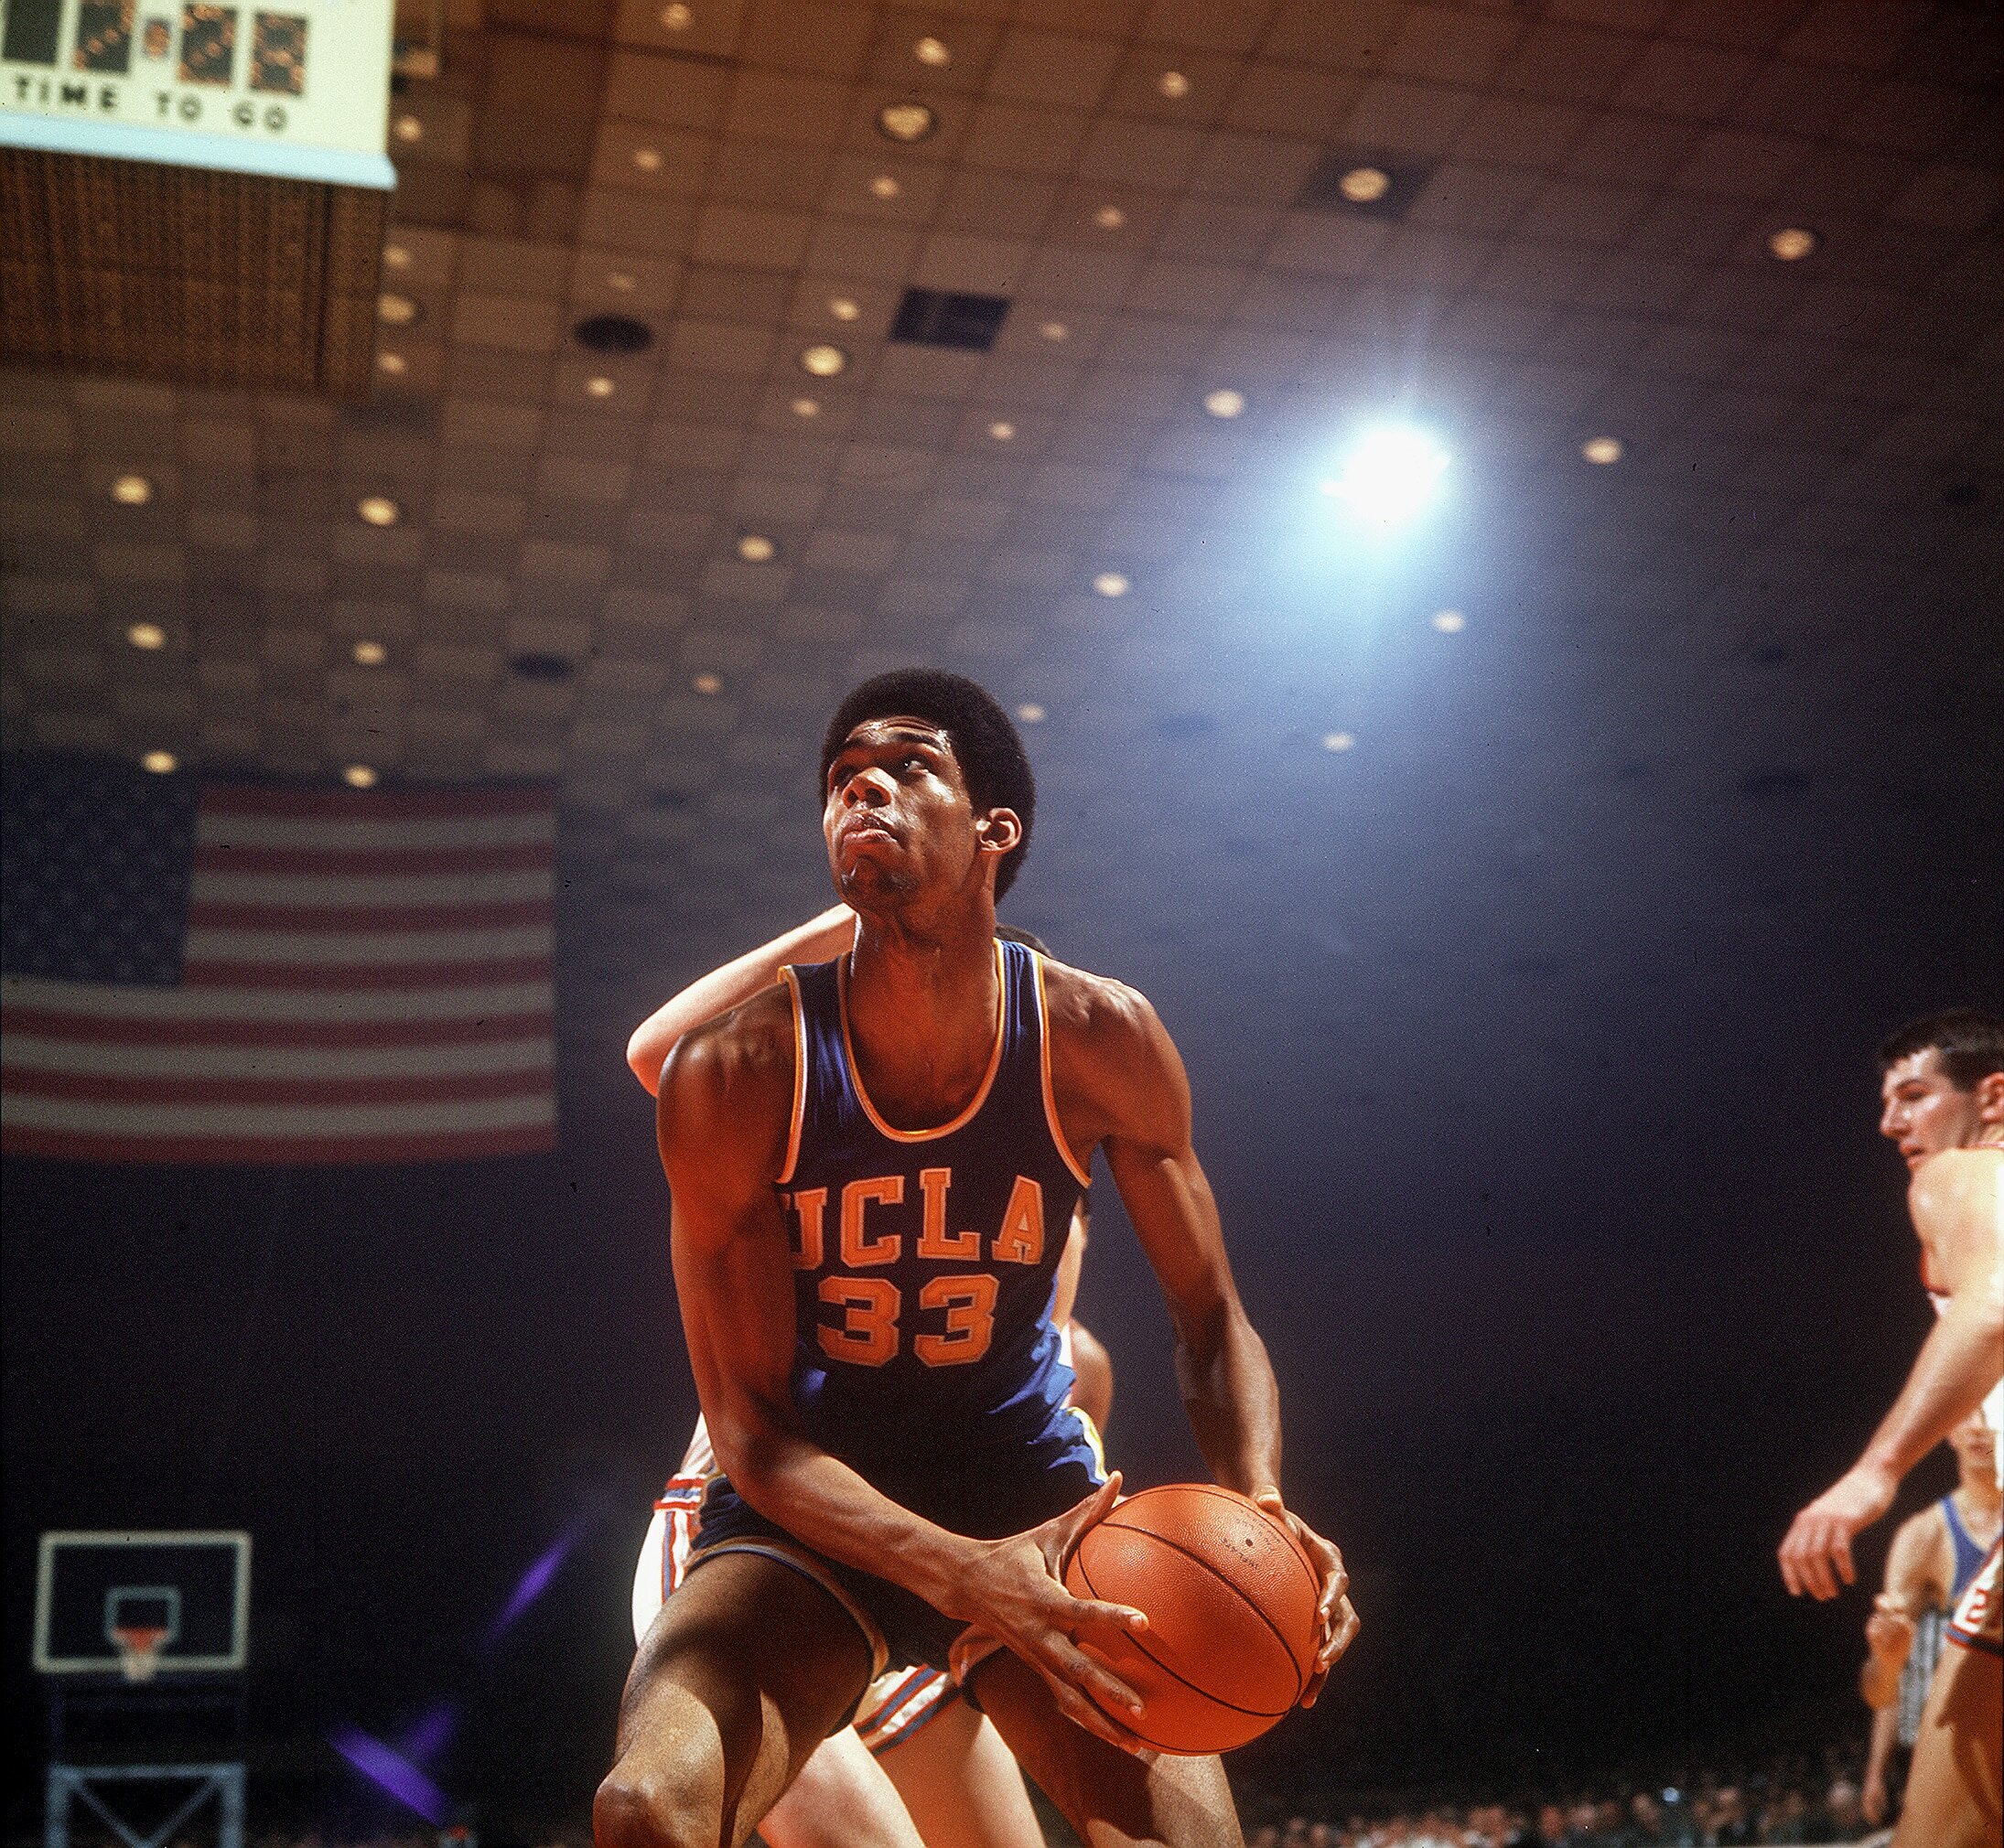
1888,1630
1014,1592
1816,1554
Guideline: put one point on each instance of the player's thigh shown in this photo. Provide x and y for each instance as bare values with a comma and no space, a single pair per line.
1953,1797
842,1799
961,1784
744,1672
1109,1798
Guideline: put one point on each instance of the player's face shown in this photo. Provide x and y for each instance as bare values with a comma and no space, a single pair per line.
1924,1113
896,814
1975,1444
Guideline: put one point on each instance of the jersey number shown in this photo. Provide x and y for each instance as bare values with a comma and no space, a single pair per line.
867,1334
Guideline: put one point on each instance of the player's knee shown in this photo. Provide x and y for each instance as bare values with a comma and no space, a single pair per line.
650,1807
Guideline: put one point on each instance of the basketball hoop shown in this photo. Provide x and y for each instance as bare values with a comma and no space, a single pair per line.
139,1650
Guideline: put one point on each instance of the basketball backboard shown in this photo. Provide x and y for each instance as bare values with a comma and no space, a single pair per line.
185,1597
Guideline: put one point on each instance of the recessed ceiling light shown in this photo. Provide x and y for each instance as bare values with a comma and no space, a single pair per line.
394,310
147,635
677,15
648,159
159,762
1224,402
1111,584
843,308
1109,218
392,363
409,128
1365,185
370,653
396,257
885,187
1390,475
807,407
707,684
379,509
1791,243
1002,431
359,777
1450,621
132,490
1601,450
1173,84
906,122
755,548
622,280
1055,330
599,386
1337,741
824,361
931,51
1030,712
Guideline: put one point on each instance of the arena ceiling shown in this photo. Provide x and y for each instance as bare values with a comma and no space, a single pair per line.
1577,243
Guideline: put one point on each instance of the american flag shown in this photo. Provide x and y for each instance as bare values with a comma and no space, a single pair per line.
198,971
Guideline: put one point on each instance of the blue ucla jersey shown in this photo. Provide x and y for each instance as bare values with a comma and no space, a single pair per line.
924,1258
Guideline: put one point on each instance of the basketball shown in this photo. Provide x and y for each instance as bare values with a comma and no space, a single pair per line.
1230,1597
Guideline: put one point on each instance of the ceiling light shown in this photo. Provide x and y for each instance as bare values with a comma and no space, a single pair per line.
906,122
824,362
1791,243
147,635
132,490
885,187
648,159
1111,584
931,51
707,684
1390,474
1224,402
843,308
379,509
396,311
622,280
1365,185
1055,330
1002,431
1337,741
807,407
1173,84
159,762
1109,218
1601,450
1450,621
370,654
677,16
1030,712
599,386
409,128
392,363
359,777
755,548
396,257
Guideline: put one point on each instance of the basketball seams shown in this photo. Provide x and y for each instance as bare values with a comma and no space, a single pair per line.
1205,1566
1219,1492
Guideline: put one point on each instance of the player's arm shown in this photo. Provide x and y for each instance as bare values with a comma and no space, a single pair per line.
1912,1586
1885,1734
725,1106
818,940
1958,1214
1120,1065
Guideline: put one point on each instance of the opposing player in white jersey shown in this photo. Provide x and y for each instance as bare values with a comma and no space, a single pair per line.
919,1763
1943,1088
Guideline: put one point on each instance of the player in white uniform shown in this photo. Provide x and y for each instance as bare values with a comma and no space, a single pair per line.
1943,1094
918,1763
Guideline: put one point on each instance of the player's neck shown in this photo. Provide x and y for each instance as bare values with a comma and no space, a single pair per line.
1980,1502
921,991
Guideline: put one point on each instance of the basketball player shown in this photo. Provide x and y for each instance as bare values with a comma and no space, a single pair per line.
1935,1553
1943,1092
865,1165
945,1771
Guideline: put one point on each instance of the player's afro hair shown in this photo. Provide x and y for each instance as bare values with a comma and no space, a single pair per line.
1970,1041
985,742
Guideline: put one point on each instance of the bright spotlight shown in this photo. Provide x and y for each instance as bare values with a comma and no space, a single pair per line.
1390,474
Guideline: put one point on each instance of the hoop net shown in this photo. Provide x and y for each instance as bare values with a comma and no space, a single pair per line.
139,1650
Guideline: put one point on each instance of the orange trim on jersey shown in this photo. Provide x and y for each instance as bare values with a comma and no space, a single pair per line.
810,1565
800,1077
980,1096
1082,1175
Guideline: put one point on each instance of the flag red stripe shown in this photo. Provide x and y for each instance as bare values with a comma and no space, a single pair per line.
98,1030
380,805
211,856
445,1145
336,977
216,916
107,1087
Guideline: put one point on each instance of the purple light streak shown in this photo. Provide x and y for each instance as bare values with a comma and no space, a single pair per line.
393,1772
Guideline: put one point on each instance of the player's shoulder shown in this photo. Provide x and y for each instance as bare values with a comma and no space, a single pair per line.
1959,1180
1098,1009
741,1054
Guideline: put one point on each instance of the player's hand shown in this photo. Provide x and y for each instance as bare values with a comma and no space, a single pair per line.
1872,1800
1014,1592
1816,1554
1332,1607
1888,1630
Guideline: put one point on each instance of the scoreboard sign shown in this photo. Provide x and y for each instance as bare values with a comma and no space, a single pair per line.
297,89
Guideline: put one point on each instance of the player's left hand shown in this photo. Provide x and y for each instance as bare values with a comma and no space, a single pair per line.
1339,1621
1816,1554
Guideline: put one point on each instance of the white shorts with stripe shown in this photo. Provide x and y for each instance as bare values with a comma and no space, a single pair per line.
896,1704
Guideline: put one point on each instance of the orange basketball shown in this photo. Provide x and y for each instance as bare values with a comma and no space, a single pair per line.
1230,1598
